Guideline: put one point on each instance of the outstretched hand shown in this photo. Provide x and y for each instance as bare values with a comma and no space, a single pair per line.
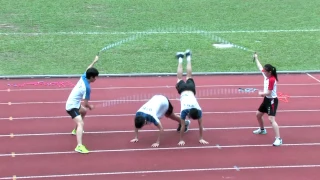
181,143
202,141
155,144
255,56
134,140
96,59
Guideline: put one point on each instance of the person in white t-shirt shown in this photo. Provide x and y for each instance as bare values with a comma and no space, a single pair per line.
151,112
81,91
190,108
270,101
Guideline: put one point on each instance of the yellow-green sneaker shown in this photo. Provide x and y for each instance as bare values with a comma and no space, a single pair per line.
82,149
74,132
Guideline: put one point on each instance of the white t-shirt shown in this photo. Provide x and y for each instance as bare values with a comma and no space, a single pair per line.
154,109
188,101
270,84
81,91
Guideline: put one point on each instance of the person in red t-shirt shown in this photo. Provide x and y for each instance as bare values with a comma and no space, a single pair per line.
270,100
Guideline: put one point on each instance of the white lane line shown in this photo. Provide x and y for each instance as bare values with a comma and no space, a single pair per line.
125,115
153,87
168,130
237,168
142,100
313,77
159,149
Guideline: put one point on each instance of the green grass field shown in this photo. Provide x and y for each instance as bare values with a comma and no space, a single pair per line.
62,36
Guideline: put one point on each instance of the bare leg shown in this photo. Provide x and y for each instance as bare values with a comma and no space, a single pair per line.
78,120
174,117
260,119
83,113
180,56
189,67
275,126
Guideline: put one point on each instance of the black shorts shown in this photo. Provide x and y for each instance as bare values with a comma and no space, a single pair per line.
189,85
74,112
269,106
170,109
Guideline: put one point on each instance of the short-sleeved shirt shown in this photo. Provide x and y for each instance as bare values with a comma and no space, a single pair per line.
270,84
81,91
188,101
154,109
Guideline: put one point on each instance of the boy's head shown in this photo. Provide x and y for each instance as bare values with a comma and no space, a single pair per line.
139,122
194,114
91,74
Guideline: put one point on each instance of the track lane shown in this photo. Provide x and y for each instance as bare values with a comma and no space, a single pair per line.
131,107
263,174
110,162
145,93
163,80
94,124
37,144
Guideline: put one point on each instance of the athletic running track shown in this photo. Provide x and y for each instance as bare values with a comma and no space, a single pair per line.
36,142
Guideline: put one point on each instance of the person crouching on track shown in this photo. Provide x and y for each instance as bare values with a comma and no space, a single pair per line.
82,90
151,112
269,104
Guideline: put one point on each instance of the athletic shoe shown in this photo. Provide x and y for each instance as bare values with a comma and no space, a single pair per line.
179,55
186,126
188,53
188,122
74,132
259,131
81,149
277,142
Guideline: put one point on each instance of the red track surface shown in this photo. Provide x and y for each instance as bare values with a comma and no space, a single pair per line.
229,118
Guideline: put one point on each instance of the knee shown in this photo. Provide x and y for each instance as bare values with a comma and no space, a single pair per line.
83,112
80,123
272,119
259,114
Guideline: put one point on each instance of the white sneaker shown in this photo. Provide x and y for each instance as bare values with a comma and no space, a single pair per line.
277,142
188,122
259,131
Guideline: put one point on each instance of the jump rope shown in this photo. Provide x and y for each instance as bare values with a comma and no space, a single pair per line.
145,97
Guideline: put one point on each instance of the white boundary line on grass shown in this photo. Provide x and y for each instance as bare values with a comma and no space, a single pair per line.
144,100
161,32
167,130
159,149
126,115
235,168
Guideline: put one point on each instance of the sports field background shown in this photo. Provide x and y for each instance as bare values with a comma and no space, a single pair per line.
63,36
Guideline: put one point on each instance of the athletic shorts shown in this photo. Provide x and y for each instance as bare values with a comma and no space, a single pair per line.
170,109
74,112
189,85
269,106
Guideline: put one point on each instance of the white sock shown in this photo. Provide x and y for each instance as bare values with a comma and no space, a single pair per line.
180,60
188,58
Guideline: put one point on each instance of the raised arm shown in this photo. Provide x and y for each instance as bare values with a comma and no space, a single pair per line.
94,61
255,57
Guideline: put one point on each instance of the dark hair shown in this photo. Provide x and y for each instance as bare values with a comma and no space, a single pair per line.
272,69
139,121
194,113
92,72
